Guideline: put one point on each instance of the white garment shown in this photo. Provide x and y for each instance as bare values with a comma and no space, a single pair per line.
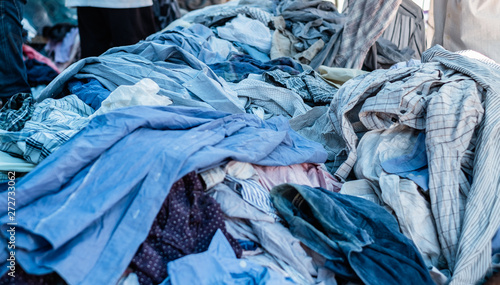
143,93
238,31
116,4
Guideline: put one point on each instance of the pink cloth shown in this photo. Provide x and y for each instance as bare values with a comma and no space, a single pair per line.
309,174
31,53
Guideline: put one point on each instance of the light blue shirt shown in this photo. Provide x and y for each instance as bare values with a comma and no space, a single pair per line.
219,265
85,210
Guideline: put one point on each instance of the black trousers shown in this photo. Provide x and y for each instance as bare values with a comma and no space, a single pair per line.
103,28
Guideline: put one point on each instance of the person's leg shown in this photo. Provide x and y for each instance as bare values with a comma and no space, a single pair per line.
95,36
13,76
129,26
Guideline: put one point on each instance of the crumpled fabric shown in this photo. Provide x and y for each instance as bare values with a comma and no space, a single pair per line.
16,111
143,93
402,196
309,85
237,31
431,97
273,100
218,265
186,223
196,39
346,37
244,221
52,124
89,91
133,148
182,77
238,66
360,240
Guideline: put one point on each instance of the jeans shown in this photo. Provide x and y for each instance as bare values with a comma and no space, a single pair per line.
13,77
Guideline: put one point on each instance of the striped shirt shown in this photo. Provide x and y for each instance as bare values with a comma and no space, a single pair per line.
255,194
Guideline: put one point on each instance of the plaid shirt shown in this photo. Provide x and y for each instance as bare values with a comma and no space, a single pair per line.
53,123
444,96
16,112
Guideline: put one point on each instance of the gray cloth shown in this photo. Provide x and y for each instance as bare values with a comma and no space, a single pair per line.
309,85
407,30
347,36
317,126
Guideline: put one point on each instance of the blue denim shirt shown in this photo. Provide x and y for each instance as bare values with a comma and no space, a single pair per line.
92,202
360,240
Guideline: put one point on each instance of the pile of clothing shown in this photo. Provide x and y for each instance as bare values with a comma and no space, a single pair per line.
209,155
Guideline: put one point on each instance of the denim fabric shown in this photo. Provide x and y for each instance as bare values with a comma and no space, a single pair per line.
122,166
13,78
360,240
219,265
238,67
181,76
89,91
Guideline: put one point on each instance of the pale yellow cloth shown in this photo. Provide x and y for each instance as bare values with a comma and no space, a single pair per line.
337,76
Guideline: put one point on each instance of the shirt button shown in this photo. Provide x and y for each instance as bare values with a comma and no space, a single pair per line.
243,263
402,111
394,120
419,92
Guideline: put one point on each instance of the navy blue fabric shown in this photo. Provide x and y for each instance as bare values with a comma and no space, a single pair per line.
89,91
239,66
97,196
186,223
13,77
39,72
360,240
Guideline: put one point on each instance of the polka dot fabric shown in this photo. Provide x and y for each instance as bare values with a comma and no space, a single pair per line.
185,224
